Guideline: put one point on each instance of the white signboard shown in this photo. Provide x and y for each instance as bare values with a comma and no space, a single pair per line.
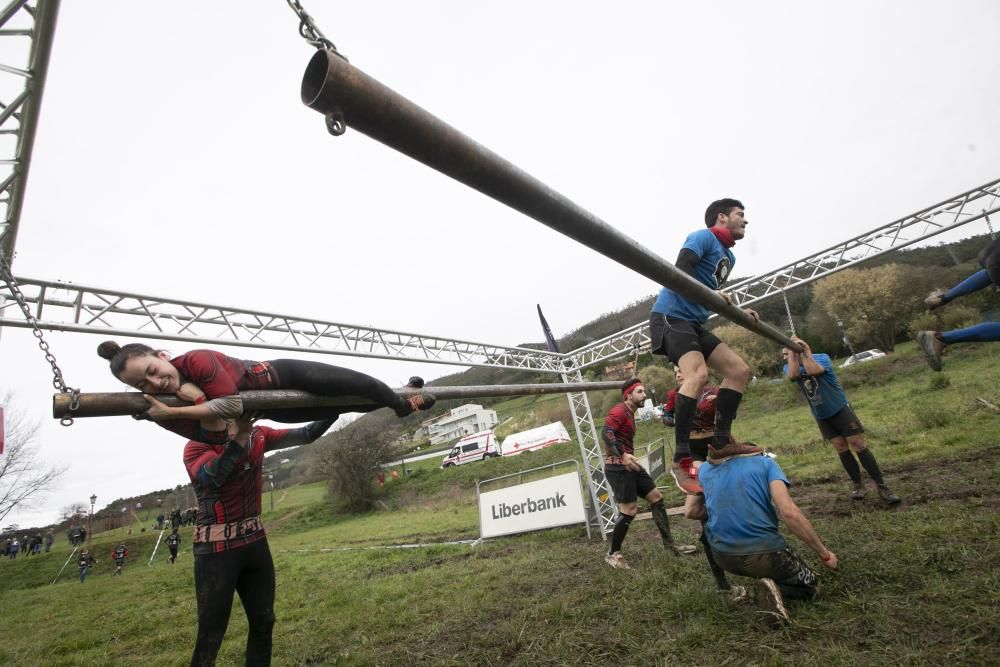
545,503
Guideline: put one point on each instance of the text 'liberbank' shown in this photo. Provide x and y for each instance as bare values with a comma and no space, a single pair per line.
528,506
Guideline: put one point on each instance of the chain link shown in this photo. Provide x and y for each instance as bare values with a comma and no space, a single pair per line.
788,312
310,31
989,225
57,376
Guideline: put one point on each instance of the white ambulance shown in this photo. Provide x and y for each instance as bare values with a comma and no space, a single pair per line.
476,447
536,438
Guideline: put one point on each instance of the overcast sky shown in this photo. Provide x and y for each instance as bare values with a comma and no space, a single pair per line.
175,158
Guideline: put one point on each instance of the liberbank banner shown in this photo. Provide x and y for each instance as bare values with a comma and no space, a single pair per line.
545,503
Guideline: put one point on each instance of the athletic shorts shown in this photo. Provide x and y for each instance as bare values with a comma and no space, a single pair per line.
628,485
844,423
675,338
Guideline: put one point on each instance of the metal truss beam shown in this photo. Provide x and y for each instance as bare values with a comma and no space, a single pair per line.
26,31
971,206
70,307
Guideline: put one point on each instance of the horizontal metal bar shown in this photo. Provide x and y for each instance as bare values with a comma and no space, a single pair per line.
131,403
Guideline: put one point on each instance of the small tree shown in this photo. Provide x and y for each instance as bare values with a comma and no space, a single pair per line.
351,457
23,478
761,354
876,305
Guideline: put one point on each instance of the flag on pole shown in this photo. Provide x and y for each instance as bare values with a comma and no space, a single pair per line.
550,341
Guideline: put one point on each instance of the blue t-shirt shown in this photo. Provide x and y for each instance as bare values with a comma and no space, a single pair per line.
741,518
714,265
823,392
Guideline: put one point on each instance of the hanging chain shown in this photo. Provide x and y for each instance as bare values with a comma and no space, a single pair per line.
986,215
310,31
57,376
788,312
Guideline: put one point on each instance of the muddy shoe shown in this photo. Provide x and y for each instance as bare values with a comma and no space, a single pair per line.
932,347
733,449
734,594
416,382
935,299
416,403
681,549
617,561
858,491
685,476
771,605
888,496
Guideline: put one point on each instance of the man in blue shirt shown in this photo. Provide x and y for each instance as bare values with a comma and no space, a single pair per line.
745,495
835,417
676,328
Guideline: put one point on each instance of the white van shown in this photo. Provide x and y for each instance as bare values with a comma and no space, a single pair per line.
536,438
476,447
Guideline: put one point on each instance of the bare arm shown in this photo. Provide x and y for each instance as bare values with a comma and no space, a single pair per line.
695,508
799,524
811,365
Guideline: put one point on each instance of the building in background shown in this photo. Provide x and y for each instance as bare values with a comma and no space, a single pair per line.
457,423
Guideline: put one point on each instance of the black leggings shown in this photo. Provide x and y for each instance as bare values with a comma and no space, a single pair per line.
326,380
248,571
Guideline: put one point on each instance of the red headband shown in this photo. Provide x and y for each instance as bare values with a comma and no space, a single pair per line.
628,390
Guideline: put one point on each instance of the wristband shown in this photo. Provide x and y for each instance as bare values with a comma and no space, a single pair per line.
201,399
827,557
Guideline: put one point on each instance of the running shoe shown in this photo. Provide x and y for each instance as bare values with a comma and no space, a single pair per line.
682,549
888,496
932,347
935,299
858,491
617,561
770,603
734,449
686,476
733,594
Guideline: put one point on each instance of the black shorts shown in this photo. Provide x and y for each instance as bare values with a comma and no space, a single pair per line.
628,485
845,424
675,338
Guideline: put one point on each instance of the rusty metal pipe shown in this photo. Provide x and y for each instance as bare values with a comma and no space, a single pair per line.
131,403
348,96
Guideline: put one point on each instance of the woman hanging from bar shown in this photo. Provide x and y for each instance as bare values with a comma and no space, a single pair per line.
212,382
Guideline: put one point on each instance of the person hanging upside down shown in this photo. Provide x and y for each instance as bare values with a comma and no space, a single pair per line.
212,381
934,343
628,479
835,416
676,328
230,546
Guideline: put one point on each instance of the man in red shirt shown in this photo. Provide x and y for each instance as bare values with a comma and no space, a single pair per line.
628,479
230,548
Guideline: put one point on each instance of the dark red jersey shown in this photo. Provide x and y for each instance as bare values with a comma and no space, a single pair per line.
704,415
217,375
238,496
621,424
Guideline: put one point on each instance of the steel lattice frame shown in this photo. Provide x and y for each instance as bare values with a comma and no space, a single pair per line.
69,307
959,210
26,33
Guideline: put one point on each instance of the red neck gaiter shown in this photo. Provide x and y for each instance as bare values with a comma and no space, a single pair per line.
724,235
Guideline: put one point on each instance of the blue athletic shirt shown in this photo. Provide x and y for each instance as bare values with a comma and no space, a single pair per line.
741,518
823,392
715,262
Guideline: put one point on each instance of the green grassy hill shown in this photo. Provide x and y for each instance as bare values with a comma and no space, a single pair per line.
918,583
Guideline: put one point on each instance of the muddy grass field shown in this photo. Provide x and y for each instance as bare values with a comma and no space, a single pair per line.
918,583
